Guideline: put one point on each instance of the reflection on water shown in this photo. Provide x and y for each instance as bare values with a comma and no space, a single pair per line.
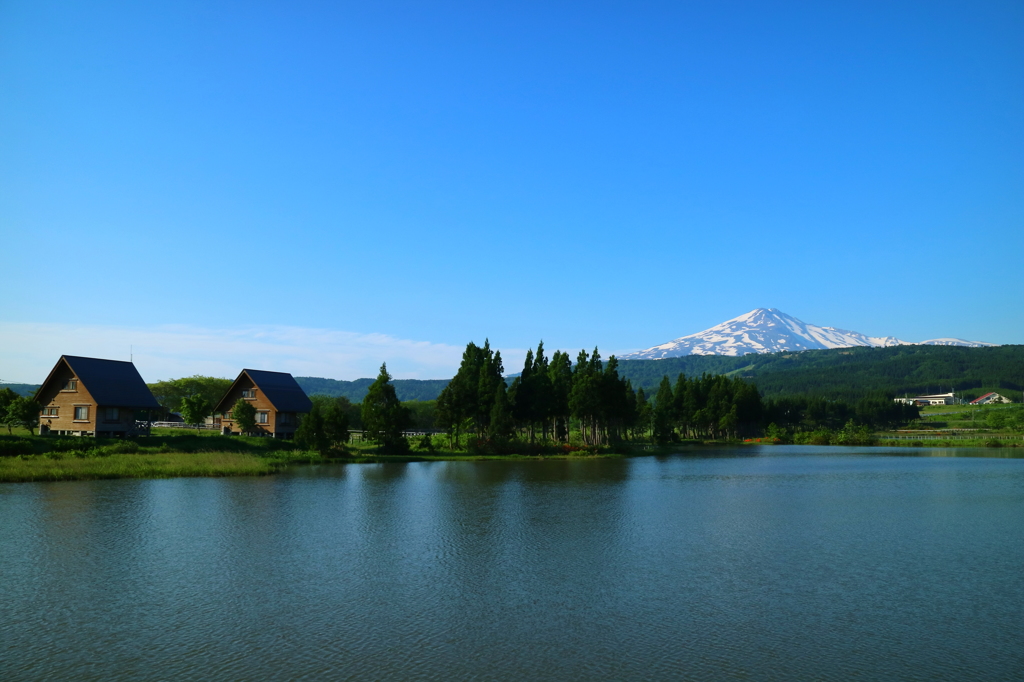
751,563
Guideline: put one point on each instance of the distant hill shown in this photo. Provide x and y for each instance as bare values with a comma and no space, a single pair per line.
850,373
21,389
406,389
847,373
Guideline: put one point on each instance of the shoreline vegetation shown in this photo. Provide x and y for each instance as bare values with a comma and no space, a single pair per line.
33,459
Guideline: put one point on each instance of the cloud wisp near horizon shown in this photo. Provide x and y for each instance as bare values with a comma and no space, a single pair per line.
29,350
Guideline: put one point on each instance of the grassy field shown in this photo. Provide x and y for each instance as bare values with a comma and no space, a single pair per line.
934,410
962,426
139,465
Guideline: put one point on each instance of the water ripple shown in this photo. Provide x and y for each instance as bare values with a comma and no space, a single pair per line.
771,567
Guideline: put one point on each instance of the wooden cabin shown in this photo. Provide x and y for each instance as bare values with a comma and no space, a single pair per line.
279,401
93,397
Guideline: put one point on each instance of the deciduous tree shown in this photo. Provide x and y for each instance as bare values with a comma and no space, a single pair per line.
244,414
195,409
170,393
22,412
326,425
7,396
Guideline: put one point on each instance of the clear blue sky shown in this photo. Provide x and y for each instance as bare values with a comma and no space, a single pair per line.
610,174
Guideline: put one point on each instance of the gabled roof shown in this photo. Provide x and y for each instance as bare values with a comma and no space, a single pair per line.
980,398
109,382
280,388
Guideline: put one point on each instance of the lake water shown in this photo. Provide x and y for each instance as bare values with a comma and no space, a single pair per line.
775,563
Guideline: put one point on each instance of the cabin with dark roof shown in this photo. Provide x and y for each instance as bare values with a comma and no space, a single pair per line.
279,401
93,397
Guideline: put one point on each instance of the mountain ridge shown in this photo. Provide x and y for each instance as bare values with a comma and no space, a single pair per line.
769,330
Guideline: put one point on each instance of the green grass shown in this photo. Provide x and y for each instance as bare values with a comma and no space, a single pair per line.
169,431
187,454
163,455
932,410
140,465
16,431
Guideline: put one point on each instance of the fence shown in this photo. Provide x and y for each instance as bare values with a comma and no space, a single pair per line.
182,425
934,436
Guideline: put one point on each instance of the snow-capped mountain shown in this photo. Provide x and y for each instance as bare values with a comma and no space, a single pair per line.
767,330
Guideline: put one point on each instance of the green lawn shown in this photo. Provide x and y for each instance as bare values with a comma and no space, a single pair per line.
16,431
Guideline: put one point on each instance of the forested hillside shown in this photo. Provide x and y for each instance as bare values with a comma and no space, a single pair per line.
25,390
407,389
852,373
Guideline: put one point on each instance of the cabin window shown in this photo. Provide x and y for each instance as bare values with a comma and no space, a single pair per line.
262,417
70,385
113,414
286,418
49,411
249,393
81,413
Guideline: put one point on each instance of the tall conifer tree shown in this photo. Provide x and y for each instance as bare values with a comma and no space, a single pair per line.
384,416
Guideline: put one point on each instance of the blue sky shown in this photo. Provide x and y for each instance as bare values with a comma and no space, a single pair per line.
390,180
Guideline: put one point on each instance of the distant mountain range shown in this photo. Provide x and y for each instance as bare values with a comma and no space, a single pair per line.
356,390
768,330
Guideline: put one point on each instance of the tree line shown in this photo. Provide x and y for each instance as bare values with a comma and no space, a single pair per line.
809,413
554,398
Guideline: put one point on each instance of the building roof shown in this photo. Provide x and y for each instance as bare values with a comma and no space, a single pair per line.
280,388
980,398
110,382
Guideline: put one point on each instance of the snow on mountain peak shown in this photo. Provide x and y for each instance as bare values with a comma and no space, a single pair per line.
769,330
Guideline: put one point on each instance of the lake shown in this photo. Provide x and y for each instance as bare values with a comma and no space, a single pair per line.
753,563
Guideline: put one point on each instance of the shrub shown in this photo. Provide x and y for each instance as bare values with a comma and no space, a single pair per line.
776,434
125,447
13,448
64,444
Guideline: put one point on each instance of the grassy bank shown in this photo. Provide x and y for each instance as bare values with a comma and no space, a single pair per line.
960,442
366,452
158,465
175,453
35,458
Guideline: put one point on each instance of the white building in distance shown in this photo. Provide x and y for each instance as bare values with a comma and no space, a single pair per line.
937,399
990,399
